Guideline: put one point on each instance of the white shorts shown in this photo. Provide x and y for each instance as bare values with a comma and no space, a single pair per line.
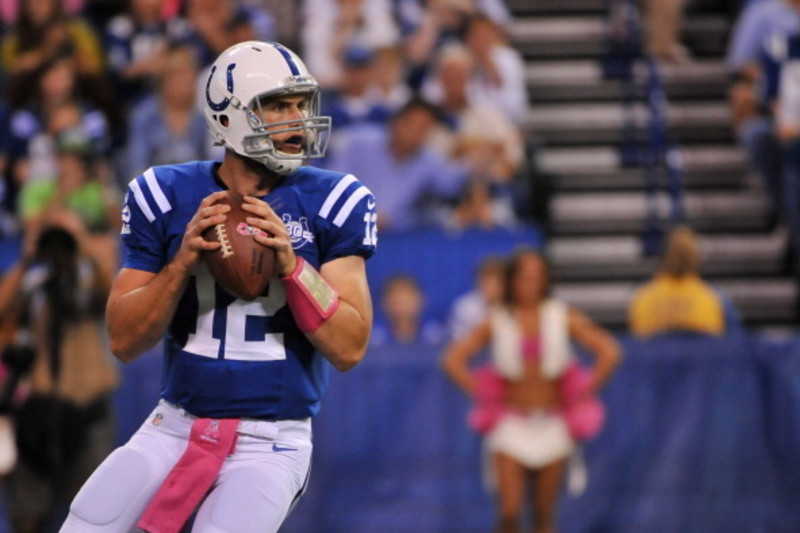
254,491
535,440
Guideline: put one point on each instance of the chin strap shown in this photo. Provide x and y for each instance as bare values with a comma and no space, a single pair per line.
310,298
280,166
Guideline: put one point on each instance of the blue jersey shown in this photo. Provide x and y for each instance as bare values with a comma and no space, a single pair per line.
229,358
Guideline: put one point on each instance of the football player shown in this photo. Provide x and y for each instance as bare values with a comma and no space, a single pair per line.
231,435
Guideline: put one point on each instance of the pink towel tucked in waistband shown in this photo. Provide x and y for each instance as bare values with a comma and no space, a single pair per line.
210,442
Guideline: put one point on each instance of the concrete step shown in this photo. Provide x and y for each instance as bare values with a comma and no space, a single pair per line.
585,36
581,80
622,257
599,209
599,168
759,300
626,212
556,7
604,123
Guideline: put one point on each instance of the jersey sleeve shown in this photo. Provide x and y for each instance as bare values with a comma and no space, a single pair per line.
349,221
141,229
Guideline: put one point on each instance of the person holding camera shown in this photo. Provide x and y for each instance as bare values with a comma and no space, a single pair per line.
55,295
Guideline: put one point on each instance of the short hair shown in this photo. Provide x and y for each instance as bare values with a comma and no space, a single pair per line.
491,263
417,102
400,279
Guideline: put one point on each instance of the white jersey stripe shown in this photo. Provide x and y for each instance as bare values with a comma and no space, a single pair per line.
155,190
140,200
335,194
348,206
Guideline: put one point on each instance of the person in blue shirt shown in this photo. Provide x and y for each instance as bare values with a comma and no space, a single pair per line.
231,436
167,126
355,102
414,182
404,322
135,42
751,98
781,60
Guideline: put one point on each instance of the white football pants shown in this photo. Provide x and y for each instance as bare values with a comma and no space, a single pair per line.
254,492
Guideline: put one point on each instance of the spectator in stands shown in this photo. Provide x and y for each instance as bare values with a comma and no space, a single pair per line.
410,180
470,309
65,425
478,207
663,24
403,302
217,25
330,27
499,76
677,298
428,26
168,127
388,69
477,125
755,25
528,338
288,20
136,41
8,186
752,92
43,31
355,101
787,118
61,101
82,188
481,135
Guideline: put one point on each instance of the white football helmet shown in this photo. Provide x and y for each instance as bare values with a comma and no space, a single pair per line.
240,78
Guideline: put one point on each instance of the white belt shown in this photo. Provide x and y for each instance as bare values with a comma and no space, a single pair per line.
265,429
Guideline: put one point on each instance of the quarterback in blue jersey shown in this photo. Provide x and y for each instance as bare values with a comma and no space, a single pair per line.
230,439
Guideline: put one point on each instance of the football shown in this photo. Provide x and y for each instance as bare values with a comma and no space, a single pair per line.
240,265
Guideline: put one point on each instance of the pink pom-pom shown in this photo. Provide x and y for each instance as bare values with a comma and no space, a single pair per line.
576,383
484,417
489,408
584,413
489,385
585,419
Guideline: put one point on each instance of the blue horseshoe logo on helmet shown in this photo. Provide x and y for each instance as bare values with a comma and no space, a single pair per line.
225,102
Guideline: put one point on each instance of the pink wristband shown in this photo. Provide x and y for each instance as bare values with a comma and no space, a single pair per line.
310,298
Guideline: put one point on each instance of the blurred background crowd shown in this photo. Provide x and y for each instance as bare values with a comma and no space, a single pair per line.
649,149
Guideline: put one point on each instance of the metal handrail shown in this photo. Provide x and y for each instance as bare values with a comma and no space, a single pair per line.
647,146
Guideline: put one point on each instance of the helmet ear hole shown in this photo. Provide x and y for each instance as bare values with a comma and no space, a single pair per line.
224,120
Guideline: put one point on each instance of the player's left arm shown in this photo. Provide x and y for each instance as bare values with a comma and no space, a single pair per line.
343,338
341,333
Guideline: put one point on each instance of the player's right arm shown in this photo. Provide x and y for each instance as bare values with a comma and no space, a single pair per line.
141,303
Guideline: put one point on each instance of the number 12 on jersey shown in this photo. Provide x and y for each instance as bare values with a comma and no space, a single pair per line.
370,229
237,316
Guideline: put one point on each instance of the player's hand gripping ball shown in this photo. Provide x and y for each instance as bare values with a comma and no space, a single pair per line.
240,265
